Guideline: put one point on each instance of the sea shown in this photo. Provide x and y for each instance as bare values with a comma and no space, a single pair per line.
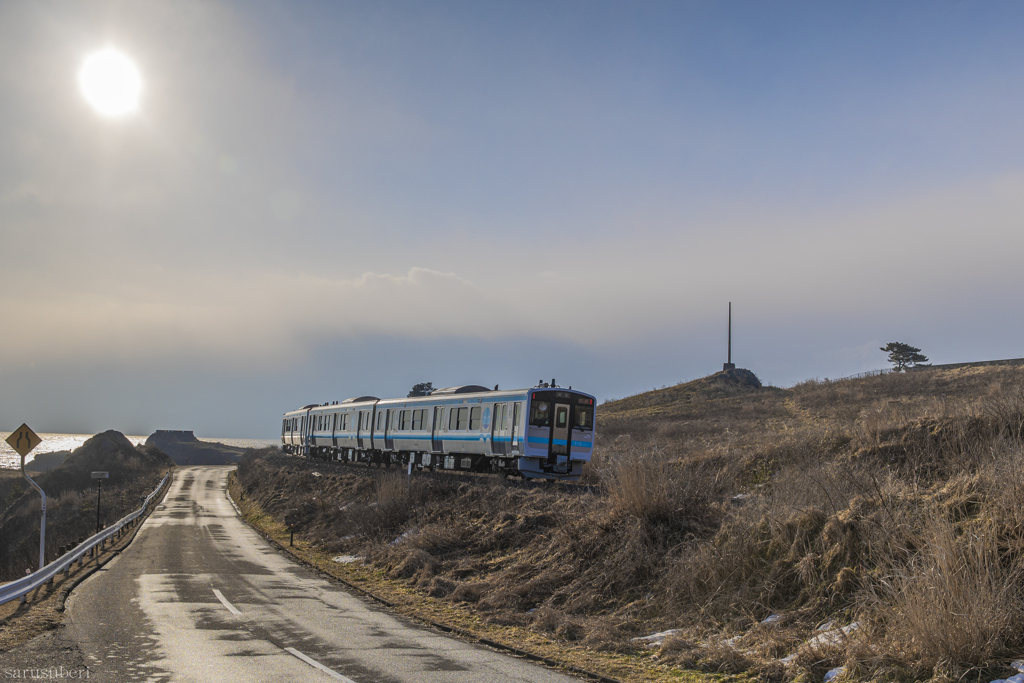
10,460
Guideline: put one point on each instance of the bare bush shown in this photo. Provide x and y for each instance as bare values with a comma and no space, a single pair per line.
648,483
950,602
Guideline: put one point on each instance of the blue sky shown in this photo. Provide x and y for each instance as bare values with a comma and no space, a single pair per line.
318,200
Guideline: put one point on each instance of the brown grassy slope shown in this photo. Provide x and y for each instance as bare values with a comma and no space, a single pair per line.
71,499
890,501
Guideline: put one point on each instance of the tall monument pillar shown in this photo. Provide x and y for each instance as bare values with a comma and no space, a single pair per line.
729,365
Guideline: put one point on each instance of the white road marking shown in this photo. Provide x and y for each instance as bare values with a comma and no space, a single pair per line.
224,601
312,662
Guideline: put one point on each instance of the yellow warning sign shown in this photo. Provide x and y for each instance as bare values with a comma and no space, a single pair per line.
23,440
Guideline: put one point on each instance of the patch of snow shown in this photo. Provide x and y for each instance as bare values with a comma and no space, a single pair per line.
401,538
834,636
788,660
772,619
835,673
1017,664
346,559
317,474
655,639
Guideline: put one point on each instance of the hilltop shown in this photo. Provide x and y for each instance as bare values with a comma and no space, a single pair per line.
774,533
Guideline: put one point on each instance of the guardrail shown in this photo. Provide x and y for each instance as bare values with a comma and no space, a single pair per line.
22,587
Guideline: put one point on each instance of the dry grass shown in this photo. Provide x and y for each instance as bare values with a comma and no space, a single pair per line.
950,600
890,501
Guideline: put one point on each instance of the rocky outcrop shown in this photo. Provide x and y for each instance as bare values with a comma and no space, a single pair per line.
185,449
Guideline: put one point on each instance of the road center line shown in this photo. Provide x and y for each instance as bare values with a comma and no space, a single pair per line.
224,601
312,662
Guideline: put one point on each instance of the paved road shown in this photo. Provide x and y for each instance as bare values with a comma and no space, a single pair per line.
199,596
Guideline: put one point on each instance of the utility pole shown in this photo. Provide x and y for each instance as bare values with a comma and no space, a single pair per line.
729,365
99,477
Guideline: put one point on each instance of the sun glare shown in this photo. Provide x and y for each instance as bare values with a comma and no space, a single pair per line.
110,82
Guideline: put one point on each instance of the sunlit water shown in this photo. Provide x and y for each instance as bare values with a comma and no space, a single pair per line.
9,459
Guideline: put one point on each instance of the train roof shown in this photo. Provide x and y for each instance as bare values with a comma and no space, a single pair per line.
464,389
447,395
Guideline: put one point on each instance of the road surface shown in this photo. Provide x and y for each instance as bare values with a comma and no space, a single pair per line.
199,596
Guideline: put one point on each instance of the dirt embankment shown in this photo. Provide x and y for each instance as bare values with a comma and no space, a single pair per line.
71,498
740,518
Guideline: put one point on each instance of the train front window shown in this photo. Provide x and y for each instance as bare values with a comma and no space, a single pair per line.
540,414
584,418
561,417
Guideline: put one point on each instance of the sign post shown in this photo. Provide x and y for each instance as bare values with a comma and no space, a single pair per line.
99,477
23,440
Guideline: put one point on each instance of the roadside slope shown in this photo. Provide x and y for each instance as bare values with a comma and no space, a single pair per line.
740,517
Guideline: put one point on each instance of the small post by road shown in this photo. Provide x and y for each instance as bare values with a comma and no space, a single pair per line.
23,440
99,477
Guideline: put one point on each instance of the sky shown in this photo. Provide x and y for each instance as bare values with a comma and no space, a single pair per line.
318,200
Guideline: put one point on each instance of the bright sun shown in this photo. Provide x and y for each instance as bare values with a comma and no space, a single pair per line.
110,82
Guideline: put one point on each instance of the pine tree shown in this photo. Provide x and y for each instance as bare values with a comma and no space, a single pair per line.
422,389
902,355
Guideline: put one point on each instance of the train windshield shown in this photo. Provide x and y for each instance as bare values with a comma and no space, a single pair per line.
548,406
584,418
540,414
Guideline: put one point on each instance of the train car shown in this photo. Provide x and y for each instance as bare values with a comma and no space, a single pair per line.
545,432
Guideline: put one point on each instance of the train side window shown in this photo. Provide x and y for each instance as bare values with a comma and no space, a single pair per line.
540,414
453,418
474,419
463,418
417,419
380,421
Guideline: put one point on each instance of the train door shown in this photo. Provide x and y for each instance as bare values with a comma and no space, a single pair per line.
560,437
499,433
377,439
307,430
435,436
389,428
517,420
334,431
361,428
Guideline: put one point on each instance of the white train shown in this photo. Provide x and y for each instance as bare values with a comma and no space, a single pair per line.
545,432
